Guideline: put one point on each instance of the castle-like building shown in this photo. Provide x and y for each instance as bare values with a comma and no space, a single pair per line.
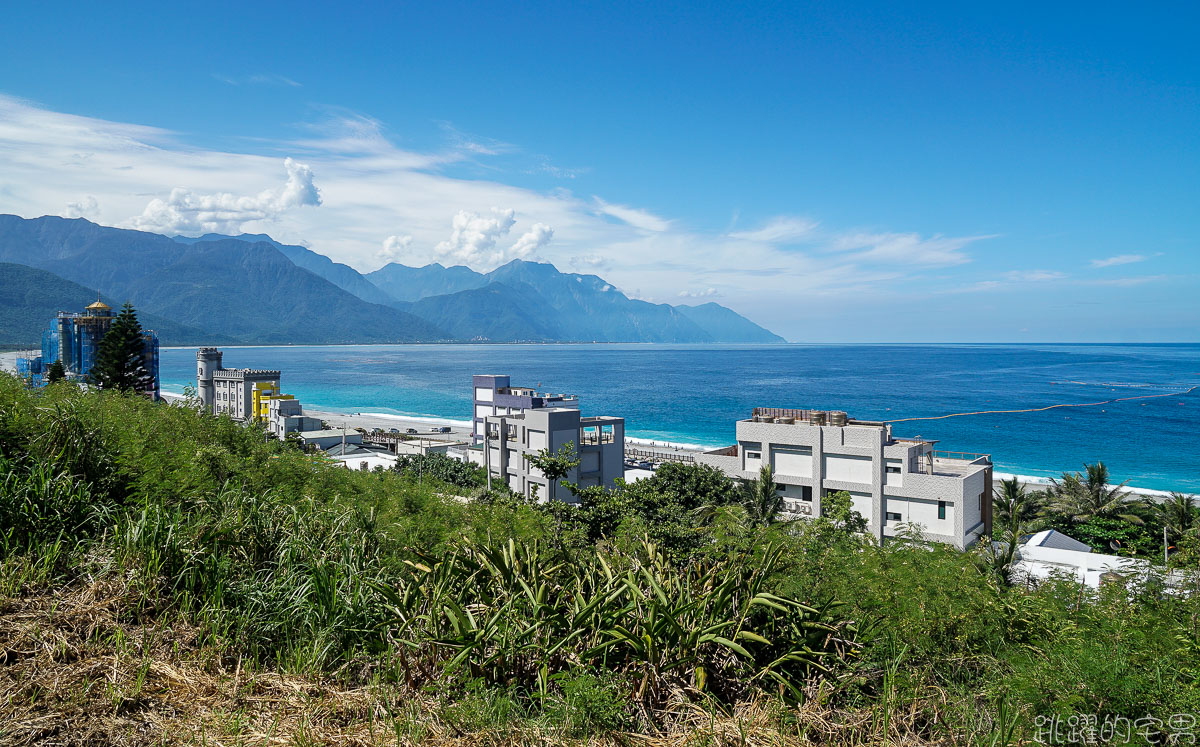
240,393
74,338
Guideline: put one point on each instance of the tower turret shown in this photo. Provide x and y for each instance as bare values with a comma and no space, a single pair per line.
208,361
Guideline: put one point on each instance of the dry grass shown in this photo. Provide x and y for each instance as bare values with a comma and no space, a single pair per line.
78,668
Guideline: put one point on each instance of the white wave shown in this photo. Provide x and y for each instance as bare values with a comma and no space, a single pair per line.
1034,480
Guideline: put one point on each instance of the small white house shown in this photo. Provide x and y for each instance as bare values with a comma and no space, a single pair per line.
1049,552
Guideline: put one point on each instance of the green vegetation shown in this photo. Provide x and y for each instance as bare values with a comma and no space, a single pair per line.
167,577
121,356
56,372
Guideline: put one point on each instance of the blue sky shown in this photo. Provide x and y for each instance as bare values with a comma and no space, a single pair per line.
836,172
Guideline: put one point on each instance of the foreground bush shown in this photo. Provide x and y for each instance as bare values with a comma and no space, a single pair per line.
501,612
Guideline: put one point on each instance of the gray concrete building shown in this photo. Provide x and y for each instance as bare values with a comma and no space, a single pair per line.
286,416
494,395
515,421
892,481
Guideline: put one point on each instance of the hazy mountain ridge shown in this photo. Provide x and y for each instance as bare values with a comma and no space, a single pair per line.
251,288
29,299
248,292
575,307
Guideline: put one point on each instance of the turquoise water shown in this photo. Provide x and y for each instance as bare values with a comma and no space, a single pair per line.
694,393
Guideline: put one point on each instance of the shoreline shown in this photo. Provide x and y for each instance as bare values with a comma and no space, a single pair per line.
462,428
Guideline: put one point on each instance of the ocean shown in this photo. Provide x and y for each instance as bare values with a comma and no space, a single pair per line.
692,394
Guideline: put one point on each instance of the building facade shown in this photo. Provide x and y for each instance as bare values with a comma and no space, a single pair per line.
494,395
240,393
284,415
891,481
519,421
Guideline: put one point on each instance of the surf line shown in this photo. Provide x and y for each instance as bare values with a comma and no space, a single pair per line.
1048,407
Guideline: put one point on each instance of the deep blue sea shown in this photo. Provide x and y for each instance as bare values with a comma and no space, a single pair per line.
694,393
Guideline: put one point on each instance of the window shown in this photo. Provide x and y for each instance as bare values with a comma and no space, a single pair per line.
806,493
893,469
754,455
941,509
780,487
893,516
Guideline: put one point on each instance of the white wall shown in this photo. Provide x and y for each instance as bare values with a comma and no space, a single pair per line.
861,502
536,439
482,411
923,512
750,464
483,394
793,461
848,468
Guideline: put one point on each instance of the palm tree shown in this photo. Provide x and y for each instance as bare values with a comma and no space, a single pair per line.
1090,496
1178,515
761,500
1015,513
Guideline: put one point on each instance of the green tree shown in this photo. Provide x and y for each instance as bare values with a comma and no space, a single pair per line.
837,510
56,372
1015,513
121,358
1178,515
555,466
761,500
1091,496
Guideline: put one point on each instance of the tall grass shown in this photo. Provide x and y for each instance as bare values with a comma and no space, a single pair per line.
284,563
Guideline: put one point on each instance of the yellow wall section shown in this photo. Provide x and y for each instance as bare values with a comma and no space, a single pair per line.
261,396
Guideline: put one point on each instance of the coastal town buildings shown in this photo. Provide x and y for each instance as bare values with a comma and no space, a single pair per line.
74,338
513,422
892,481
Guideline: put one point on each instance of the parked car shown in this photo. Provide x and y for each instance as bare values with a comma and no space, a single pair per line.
444,429
393,430
411,430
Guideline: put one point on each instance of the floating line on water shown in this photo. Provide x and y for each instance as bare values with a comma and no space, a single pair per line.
1048,407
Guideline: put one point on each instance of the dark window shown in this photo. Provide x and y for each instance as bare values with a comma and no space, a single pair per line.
893,470
893,517
780,487
941,509
806,493
754,455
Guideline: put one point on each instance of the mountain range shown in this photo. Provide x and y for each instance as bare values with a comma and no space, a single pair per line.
253,289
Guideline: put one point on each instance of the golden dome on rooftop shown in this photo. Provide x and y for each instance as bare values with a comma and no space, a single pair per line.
100,305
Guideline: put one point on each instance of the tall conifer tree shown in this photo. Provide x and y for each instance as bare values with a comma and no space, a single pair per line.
121,357
56,371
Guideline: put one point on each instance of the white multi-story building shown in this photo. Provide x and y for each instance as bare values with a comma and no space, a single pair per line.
286,416
515,421
891,481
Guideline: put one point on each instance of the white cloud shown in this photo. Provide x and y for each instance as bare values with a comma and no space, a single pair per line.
188,212
588,262
1033,276
533,240
473,238
905,248
369,186
258,79
635,217
706,293
1120,259
394,248
780,230
1127,282
86,207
